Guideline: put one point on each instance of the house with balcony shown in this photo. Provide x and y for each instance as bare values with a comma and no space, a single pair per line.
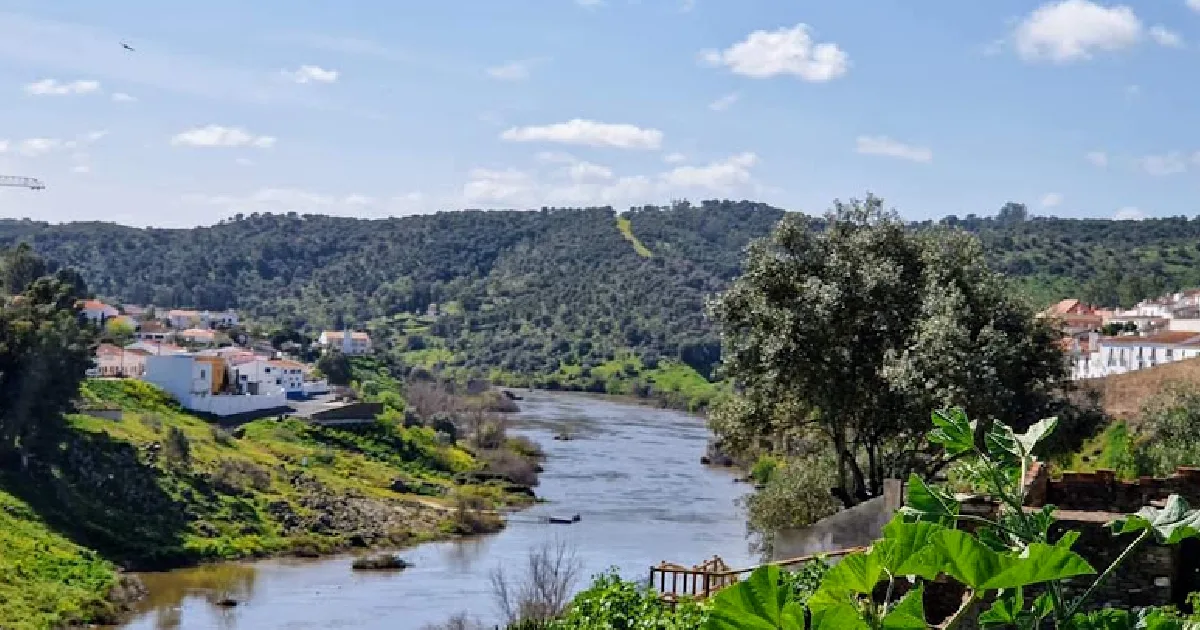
350,343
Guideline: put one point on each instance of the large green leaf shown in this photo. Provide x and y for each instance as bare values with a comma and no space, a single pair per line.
909,612
855,573
1170,525
1035,434
953,431
906,549
842,615
928,503
974,564
758,603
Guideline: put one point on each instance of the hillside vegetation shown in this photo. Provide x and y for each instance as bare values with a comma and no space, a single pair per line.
549,298
161,488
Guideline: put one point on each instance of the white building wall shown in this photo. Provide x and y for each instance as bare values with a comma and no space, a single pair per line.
180,375
233,405
1184,325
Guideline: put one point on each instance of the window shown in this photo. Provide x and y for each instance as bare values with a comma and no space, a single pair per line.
278,382
203,374
1170,354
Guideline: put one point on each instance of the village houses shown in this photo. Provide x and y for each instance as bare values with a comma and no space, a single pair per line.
115,361
198,336
98,312
1155,332
350,343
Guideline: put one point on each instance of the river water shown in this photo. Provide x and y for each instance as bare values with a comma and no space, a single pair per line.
632,473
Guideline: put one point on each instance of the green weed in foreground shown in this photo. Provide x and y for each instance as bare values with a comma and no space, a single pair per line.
46,580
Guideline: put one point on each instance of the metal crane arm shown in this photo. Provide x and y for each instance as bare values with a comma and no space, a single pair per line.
23,182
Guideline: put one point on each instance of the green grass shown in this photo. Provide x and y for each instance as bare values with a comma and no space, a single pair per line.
119,488
428,358
1112,449
626,228
46,580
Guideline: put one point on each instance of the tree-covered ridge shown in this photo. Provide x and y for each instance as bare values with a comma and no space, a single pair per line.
545,296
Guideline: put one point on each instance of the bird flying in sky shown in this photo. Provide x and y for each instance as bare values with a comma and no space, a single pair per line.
127,47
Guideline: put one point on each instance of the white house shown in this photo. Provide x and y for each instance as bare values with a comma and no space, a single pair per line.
154,331
98,312
350,343
221,319
189,378
155,348
1098,356
180,319
115,361
263,374
199,336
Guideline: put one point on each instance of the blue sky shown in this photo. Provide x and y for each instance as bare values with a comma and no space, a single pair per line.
373,109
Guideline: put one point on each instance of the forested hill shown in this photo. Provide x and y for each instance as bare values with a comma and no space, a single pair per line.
549,291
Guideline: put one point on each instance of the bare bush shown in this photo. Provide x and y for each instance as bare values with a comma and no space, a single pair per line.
543,592
525,447
458,622
178,448
222,437
513,467
427,399
473,514
238,476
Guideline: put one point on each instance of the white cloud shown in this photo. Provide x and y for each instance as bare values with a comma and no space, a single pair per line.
1166,37
81,168
93,136
587,184
720,176
589,3
1098,158
4,144
725,102
1074,30
52,87
787,51
1129,213
676,158
121,97
588,133
512,71
1171,163
587,171
1050,200
310,74
33,147
1194,5
882,145
218,136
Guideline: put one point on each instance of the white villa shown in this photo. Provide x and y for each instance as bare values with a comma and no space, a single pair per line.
98,312
350,343
1097,357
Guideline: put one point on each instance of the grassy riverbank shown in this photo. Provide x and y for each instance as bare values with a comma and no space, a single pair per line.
161,488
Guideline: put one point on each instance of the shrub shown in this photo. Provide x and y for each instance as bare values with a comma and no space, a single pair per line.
541,593
613,603
152,421
513,467
222,437
238,476
471,515
763,468
525,447
796,495
178,448
1172,420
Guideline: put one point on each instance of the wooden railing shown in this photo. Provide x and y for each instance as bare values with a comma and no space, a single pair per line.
674,581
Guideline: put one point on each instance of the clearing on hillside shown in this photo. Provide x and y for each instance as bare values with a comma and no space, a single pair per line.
1124,394
626,228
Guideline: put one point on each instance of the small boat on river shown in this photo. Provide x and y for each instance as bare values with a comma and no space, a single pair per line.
562,520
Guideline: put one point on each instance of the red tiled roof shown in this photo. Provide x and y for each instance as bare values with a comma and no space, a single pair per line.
1163,338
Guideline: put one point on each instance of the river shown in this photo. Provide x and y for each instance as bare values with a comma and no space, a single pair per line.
632,473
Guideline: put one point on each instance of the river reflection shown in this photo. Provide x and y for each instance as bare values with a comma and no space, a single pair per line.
632,472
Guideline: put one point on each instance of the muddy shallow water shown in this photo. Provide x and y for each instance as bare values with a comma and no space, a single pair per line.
632,473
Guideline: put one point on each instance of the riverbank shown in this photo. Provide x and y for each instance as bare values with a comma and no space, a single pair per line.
631,472
666,384
161,488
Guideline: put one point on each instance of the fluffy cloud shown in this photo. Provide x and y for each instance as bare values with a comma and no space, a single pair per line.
725,102
33,147
1129,213
787,51
585,183
310,74
588,133
1074,30
1171,163
1165,37
51,87
882,145
1050,200
1194,5
218,136
121,97
1099,158
511,71
676,158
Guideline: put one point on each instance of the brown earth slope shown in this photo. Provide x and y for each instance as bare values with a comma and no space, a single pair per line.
1124,394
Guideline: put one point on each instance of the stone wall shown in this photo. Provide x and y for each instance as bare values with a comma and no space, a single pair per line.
1102,491
1143,580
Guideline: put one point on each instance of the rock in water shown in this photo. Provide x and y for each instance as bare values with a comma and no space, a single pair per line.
380,562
